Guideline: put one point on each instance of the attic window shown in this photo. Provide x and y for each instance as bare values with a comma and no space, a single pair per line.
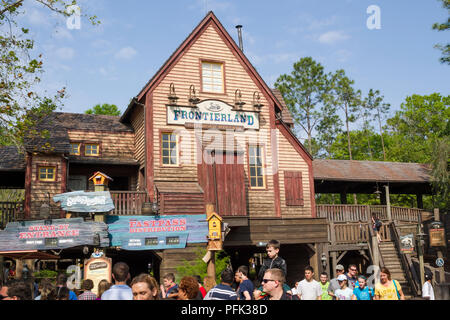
75,149
92,150
212,77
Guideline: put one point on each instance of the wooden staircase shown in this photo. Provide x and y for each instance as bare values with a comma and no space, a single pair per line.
393,263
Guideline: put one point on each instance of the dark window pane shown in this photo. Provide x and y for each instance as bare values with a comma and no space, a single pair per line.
260,182
253,182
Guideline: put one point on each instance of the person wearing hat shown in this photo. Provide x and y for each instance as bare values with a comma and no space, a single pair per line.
334,284
362,291
344,293
427,288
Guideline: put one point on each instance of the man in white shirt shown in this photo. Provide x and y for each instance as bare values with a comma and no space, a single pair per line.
427,288
308,288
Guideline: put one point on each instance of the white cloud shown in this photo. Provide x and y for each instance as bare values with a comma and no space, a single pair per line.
65,53
125,53
332,37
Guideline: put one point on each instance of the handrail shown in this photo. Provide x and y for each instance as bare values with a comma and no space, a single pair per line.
375,249
404,261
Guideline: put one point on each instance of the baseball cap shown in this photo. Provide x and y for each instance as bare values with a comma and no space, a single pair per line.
339,267
342,277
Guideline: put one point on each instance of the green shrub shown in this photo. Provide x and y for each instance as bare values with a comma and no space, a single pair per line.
45,274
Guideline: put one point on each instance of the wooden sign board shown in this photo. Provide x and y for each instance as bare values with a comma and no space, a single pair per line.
98,269
407,243
215,245
437,237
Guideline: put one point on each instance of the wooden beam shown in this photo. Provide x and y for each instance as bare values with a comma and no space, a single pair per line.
348,247
314,261
341,256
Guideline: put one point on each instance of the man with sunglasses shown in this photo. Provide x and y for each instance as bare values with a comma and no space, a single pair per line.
272,282
352,276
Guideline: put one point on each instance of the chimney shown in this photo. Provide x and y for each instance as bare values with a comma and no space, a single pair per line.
241,45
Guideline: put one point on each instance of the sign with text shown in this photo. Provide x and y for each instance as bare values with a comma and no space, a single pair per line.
80,201
212,112
53,234
437,237
98,269
151,233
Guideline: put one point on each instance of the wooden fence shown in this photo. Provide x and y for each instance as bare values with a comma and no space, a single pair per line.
356,213
354,233
128,203
9,212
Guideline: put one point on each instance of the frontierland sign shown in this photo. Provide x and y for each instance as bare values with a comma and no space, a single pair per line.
212,112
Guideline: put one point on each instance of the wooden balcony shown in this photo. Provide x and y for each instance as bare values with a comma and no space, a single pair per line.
357,213
128,203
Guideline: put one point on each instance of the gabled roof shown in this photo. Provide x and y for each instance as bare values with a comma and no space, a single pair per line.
285,113
59,123
210,19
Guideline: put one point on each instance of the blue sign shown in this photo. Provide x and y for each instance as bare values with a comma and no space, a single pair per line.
53,234
440,262
80,201
151,233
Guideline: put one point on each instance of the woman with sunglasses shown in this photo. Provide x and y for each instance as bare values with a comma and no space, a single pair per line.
344,293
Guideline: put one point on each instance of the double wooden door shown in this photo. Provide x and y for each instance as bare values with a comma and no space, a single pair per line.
222,178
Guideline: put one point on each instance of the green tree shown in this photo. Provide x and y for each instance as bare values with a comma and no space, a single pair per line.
329,127
346,98
304,91
374,103
199,267
104,109
443,27
21,106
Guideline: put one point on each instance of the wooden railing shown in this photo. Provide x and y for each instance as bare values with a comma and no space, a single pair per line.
128,203
353,233
356,213
405,261
9,212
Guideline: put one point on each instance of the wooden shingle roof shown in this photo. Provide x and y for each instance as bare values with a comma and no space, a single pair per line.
11,159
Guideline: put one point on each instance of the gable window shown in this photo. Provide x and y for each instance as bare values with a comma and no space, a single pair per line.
92,150
47,173
169,149
75,149
293,185
256,167
212,77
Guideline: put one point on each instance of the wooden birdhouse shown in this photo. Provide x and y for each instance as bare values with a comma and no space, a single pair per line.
215,227
101,181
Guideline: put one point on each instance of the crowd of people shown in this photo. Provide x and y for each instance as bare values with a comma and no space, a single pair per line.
233,285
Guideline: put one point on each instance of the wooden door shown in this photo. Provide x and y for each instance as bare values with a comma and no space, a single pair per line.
227,179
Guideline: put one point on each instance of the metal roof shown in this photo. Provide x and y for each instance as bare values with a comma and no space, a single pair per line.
376,171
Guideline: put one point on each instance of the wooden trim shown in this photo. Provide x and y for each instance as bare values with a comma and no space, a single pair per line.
149,143
85,143
312,191
63,182
28,178
224,86
264,167
161,164
46,164
275,164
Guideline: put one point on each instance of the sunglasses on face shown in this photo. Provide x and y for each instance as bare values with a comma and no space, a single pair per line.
267,280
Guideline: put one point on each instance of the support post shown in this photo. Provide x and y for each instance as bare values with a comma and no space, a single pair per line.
419,197
420,254
211,269
388,203
313,261
2,270
439,251
333,253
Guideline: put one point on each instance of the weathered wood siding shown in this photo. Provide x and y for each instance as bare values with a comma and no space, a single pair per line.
290,160
137,122
210,46
119,145
40,189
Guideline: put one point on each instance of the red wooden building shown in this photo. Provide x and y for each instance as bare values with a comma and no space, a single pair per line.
206,128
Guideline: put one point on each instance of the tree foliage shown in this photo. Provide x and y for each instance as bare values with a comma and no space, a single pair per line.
304,91
445,48
104,109
21,106
199,267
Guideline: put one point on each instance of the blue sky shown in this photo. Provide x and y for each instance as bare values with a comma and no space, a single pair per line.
110,63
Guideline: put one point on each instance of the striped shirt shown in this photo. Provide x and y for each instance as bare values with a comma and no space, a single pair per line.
87,295
221,292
